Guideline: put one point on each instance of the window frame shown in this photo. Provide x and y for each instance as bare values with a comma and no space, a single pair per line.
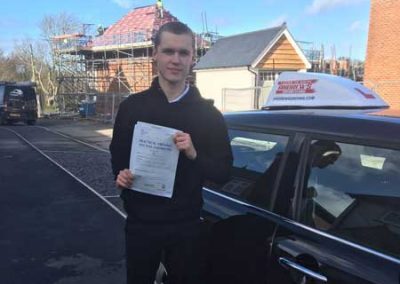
300,175
292,143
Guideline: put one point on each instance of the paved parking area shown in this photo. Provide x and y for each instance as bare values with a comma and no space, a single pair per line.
54,230
93,132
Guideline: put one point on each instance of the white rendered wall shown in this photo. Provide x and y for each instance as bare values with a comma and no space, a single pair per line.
211,82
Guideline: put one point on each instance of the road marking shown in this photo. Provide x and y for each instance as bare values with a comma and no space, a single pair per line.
68,172
74,139
67,151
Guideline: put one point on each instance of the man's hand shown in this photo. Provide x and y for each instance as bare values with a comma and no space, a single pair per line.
124,179
183,142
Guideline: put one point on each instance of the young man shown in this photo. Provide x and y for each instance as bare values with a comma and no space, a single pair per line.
157,225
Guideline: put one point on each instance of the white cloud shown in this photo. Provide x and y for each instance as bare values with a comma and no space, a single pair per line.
278,21
127,4
356,26
318,6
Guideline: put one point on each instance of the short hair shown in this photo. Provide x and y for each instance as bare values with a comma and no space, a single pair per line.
326,147
177,28
324,150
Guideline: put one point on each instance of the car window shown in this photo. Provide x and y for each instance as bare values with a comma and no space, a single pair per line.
256,161
2,94
20,92
352,191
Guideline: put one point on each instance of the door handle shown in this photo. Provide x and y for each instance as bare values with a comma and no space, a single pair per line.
299,268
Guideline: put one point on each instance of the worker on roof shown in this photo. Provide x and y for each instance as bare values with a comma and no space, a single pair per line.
160,8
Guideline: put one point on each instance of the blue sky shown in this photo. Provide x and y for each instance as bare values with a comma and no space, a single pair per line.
339,23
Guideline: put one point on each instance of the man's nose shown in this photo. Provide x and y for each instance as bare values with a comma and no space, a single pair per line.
176,58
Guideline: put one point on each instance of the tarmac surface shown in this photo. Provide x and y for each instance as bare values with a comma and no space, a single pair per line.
60,215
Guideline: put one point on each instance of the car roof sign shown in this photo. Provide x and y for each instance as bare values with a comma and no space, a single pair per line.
317,90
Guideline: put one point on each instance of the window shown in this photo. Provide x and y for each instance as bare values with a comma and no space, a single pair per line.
268,75
256,161
2,95
352,191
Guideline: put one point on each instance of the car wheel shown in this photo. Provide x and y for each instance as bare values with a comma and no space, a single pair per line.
31,122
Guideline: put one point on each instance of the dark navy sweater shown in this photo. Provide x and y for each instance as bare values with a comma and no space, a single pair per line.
192,114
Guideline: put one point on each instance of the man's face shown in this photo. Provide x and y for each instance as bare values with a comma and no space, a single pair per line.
174,57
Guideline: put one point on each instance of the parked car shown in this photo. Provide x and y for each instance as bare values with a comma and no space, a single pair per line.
17,102
314,195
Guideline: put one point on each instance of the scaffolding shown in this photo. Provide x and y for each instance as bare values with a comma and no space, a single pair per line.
314,55
100,68
119,64
106,66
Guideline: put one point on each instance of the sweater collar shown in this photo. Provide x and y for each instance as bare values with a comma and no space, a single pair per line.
191,95
177,99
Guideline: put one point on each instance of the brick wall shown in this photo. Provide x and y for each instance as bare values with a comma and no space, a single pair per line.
124,76
382,66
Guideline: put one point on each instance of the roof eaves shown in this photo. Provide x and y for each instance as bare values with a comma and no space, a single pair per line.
220,67
269,46
298,49
246,33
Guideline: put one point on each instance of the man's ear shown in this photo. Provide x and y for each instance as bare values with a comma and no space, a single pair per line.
155,51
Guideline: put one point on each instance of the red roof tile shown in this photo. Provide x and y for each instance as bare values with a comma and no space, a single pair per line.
137,26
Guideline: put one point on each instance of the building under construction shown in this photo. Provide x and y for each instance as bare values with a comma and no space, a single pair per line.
117,61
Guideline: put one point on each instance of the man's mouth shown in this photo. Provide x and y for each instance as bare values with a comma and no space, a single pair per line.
174,70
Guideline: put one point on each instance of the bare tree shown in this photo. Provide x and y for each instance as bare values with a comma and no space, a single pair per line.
60,24
12,68
35,60
52,26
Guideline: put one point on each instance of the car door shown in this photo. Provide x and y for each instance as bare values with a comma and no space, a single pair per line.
241,211
345,225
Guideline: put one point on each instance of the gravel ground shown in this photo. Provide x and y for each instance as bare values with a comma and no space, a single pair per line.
88,164
91,167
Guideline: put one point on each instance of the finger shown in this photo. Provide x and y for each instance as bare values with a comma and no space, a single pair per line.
180,138
123,183
180,142
182,145
184,138
127,174
125,178
182,135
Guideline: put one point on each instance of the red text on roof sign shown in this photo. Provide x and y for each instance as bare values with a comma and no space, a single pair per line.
296,87
366,95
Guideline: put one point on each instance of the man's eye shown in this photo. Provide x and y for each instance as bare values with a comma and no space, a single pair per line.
183,52
168,51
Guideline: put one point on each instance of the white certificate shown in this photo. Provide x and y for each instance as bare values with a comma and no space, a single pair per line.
154,158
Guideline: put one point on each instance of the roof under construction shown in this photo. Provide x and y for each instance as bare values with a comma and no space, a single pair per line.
135,29
137,26
118,61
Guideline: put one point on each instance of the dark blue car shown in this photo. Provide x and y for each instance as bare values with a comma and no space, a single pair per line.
314,195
